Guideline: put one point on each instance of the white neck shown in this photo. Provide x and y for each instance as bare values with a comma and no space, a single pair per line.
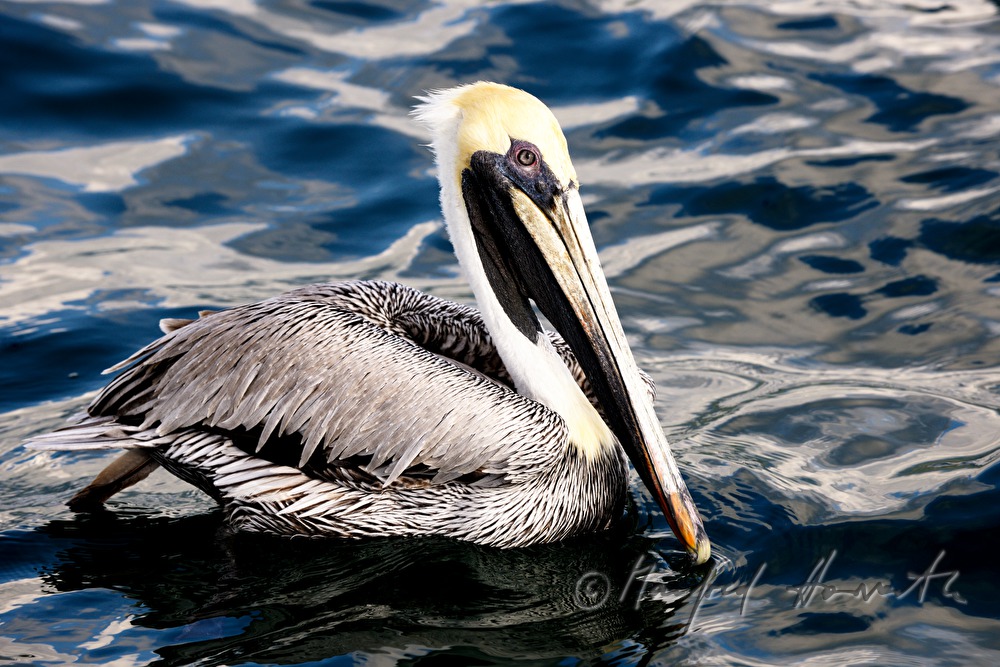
536,368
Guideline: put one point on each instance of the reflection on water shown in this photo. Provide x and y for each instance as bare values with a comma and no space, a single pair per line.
293,602
796,203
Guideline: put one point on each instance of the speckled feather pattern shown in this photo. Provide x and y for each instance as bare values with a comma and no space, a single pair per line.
354,409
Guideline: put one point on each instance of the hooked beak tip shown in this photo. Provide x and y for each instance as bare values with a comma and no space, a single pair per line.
688,528
702,550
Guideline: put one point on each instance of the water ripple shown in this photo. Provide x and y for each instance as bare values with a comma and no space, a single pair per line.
793,202
856,441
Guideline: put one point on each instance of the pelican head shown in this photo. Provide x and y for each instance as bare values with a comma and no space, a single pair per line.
511,201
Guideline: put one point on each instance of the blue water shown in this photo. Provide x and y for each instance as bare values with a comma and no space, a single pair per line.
798,207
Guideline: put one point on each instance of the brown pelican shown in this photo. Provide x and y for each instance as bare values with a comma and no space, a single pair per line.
370,409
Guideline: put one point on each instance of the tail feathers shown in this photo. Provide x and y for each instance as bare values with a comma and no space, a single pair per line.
131,467
95,433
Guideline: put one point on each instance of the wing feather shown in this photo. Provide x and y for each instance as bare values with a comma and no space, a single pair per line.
344,370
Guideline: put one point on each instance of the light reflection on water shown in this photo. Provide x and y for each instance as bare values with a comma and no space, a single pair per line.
795,204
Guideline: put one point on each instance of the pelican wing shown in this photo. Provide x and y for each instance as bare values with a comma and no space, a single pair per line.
330,375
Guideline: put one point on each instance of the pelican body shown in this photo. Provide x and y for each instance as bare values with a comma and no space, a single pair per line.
362,409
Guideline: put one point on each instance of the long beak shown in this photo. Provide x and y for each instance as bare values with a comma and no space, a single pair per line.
560,270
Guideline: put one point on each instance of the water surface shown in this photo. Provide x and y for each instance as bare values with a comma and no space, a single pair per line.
797,207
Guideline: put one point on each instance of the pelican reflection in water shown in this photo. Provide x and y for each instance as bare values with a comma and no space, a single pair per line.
362,409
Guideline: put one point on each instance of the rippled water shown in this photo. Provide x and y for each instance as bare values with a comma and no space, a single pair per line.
797,206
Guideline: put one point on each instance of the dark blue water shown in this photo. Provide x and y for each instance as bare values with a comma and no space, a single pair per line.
798,208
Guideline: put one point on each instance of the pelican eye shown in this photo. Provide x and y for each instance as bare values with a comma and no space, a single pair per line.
524,156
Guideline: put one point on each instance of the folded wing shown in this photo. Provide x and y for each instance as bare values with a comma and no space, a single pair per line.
367,374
